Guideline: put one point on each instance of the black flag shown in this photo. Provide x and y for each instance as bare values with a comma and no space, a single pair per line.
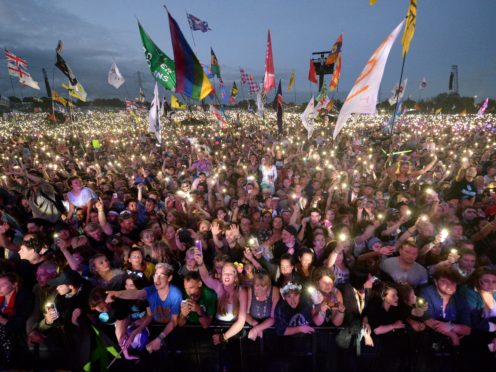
66,70
47,84
277,104
452,76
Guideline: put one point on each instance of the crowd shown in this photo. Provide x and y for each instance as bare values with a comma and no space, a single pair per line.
380,236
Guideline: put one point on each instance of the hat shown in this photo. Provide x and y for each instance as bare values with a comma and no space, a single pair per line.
113,213
291,229
290,287
69,277
372,241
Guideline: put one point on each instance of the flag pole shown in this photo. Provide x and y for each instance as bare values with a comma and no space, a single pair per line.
12,85
190,30
398,94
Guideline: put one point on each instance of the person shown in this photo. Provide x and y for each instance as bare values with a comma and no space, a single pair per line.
79,196
262,301
293,314
199,305
269,174
137,264
327,299
15,307
403,268
103,274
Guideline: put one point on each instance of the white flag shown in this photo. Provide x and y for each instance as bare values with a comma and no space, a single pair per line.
397,92
155,115
115,77
308,116
26,79
362,98
324,101
260,106
423,83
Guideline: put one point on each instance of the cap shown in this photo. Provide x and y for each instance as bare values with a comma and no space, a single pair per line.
372,241
68,277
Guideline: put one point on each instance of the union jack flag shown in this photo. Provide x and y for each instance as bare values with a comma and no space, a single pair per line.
196,24
252,85
15,60
130,105
244,76
17,71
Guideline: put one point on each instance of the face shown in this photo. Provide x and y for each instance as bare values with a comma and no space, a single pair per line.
229,275
129,284
409,254
287,237
136,259
132,206
318,242
193,289
102,264
446,286
96,234
63,289
306,260
391,297
127,224
6,287
314,218
293,299
160,279
467,262
261,290
286,267
76,184
325,284
43,275
487,282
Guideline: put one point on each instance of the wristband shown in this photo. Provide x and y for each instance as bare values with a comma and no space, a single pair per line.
161,336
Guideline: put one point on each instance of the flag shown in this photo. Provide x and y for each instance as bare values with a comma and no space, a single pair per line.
214,64
176,104
291,81
244,76
308,116
130,105
335,50
219,116
222,88
12,59
252,85
269,78
115,77
191,80
196,24
207,71
141,96
161,66
451,78
372,2
154,116
59,108
322,93
278,107
27,80
411,21
398,92
47,84
260,105
483,108
76,91
363,95
438,111
234,90
312,76
322,103
337,73
16,71
423,83
58,98
65,69
60,47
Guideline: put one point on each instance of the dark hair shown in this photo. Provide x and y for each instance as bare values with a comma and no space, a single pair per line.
192,275
97,296
358,277
447,273
320,272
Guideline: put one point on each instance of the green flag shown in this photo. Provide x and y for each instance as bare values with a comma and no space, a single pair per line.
214,64
161,66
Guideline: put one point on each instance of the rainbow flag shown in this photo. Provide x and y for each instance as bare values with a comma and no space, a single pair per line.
191,80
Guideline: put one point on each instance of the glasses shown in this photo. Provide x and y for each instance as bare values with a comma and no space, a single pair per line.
159,276
133,273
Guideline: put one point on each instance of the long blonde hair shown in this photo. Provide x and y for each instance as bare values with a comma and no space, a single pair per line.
224,299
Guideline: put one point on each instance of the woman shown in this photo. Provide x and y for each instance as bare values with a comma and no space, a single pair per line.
137,265
387,324
269,174
262,301
15,308
79,196
318,245
338,261
412,307
104,275
403,175
147,238
305,265
327,299
232,299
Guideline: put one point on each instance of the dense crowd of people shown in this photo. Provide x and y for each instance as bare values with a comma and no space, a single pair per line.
380,236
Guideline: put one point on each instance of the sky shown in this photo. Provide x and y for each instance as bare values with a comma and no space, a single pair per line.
98,32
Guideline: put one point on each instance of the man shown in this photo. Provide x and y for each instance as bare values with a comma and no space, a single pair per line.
404,269
287,244
164,299
293,315
447,312
200,304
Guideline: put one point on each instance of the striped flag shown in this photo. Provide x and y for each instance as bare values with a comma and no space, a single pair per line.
336,75
214,64
12,59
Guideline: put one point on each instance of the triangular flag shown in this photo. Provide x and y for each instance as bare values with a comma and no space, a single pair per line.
269,78
115,77
308,116
214,64
154,116
336,75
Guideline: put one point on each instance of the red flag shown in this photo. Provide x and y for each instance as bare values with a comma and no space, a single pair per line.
335,50
269,78
337,73
312,76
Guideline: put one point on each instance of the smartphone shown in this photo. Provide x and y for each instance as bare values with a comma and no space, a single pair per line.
114,195
184,302
199,245
51,306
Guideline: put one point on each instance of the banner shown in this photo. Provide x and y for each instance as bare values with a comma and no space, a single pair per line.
362,98
269,77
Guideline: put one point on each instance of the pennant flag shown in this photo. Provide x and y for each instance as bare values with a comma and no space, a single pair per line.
65,69
234,90
196,24
312,76
269,78
291,81
154,116
57,98
278,102
190,78
308,116
363,95
252,85
47,84
411,21
336,75
76,91
244,76
161,66
322,93
14,60
115,77
483,108
214,64
260,105
207,71
335,50
219,116
60,47
176,104
423,83
398,92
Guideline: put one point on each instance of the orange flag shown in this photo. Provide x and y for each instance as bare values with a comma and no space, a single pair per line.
312,76
337,73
